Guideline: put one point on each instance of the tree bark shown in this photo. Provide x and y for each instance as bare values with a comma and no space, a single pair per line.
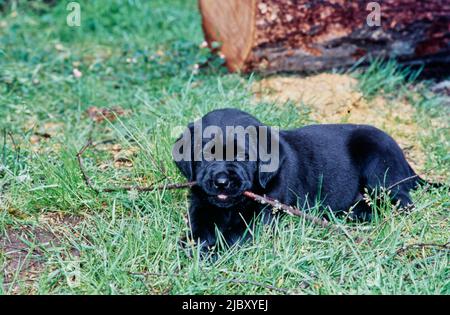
306,35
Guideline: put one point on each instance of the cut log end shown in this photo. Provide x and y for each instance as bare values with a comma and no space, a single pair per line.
230,23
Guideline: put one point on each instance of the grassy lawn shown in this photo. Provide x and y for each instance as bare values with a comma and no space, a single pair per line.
144,58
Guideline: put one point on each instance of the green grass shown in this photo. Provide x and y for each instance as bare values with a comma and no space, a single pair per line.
385,77
128,243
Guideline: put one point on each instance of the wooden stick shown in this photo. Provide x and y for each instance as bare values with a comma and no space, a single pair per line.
292,211
402,181
260,199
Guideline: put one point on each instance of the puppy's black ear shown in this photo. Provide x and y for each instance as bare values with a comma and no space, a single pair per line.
270,157
182,153
265,177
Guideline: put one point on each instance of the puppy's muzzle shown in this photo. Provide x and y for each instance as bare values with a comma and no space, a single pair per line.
224,183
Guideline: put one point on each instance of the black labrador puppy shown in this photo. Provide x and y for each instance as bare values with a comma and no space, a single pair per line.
332,164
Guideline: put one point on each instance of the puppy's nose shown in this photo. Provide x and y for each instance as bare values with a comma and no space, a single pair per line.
221,181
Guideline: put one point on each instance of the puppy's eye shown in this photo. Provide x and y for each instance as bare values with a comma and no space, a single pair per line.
213,150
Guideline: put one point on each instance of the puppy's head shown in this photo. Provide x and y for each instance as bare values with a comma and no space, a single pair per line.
218,153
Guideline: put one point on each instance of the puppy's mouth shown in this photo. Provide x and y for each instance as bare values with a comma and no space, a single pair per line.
222,197
225,200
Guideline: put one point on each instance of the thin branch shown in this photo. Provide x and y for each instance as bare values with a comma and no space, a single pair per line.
15,146
402,181
292,211
408,179
90,184
86,178
11,136
151,187
4,147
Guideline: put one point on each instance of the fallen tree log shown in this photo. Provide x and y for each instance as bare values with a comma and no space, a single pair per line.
306,35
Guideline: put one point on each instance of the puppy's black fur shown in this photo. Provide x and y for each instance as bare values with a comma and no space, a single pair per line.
332,163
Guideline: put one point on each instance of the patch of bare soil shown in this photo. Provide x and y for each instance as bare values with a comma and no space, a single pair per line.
334,98
99,115
122,156
42,133
24,247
